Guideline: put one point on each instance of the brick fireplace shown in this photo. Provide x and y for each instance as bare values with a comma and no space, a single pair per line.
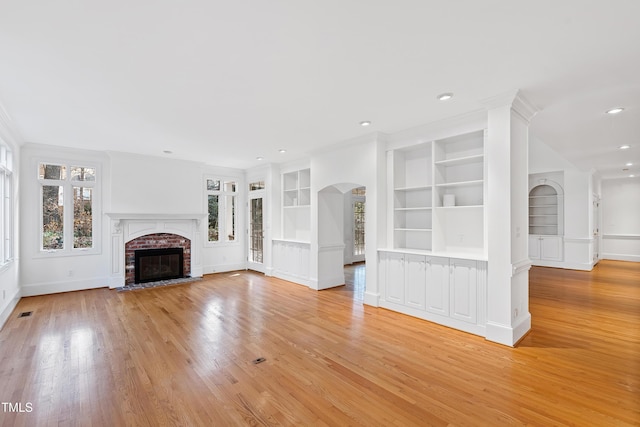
154,231
153,242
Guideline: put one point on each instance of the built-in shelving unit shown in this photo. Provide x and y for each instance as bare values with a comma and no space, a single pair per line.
413,197
438,194
546,213
296,197
543,210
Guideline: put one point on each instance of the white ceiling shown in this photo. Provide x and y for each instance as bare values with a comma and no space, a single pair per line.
226,81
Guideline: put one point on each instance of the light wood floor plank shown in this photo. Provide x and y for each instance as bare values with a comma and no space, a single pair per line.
182,355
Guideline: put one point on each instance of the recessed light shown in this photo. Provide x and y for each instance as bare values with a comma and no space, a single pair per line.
365,123
259,158
282,151
632,176
624,147
444,96
629,164
167,151
615,110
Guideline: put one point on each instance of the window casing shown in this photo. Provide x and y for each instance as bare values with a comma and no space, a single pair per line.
68,208
222,207
6,205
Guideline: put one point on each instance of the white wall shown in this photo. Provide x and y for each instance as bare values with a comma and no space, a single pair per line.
578,195
620,209
10,273
128,183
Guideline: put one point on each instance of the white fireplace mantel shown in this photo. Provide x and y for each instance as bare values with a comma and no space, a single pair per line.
128,226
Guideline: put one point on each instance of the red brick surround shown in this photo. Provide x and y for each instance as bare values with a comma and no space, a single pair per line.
155,241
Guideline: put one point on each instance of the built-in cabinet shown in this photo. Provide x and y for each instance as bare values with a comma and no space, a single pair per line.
438,192
448,291
436,268
296,197
545,248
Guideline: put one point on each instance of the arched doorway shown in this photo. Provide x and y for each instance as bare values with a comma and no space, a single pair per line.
341,215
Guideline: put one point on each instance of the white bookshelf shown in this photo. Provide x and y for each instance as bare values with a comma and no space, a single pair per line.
296,198
438,195
413,197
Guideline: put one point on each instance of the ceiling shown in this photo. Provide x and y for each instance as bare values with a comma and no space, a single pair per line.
226,82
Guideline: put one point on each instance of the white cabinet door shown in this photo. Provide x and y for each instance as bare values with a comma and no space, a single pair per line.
415,278
437,289
394,289
534,247
463,290
551,248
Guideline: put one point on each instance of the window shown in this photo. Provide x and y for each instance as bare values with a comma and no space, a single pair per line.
6,205
68,204
222,203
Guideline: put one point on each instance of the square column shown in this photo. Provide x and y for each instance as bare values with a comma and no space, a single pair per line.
508,317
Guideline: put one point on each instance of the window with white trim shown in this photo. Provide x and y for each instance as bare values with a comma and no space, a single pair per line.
6,205
222,201
67,206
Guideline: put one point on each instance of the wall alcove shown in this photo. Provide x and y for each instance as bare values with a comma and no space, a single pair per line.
546,221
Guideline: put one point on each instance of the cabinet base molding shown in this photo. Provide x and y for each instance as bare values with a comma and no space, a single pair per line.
508,334
292,278
435,318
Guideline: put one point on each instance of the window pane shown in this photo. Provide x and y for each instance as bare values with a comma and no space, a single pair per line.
213,218
230,221
256,186
230,186
358,219
82,174
256,238
52,171
52,217
82,217
213,185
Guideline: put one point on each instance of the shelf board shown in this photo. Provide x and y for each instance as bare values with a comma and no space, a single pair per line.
542,197
461,207
544,206
460,160
461,183
414,188
291,190
425,208
295,206
553,215
413,229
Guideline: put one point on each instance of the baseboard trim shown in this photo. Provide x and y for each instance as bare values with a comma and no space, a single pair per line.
371,299
63,286
621,257
508,334
11,305
210,269
565,265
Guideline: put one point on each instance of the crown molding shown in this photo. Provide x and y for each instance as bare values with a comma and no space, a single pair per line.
516,100
8,129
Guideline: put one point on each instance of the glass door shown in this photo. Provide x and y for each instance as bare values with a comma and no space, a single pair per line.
256,234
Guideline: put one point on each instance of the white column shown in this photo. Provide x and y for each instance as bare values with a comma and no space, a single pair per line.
508,317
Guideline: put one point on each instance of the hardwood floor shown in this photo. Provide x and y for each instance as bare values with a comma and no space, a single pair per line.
182,355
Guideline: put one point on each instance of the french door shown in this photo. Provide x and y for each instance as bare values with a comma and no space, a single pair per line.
256,234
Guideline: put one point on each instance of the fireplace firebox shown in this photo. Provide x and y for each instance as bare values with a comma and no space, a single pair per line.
152,265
